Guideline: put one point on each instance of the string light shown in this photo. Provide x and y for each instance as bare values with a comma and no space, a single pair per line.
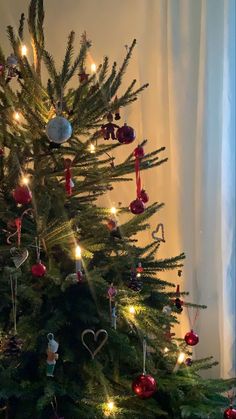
23,50
109,408
16,116
93,68
113,210
92,148
132,310
77,252
138,275
25,180
181,358
166,350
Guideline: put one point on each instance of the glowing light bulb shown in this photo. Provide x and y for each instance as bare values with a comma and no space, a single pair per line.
138,275
23,50
110,406
25,180
92,148
16,116
166,350
78,252
93,68
132,310
181,358
113,210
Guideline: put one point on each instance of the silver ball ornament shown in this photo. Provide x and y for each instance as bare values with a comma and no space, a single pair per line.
166,310
58,130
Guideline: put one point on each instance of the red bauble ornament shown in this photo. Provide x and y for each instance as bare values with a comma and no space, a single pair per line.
139,152
125,134
111,225
144,386
38,269
191,338
22,195
144,196
137,206
230,413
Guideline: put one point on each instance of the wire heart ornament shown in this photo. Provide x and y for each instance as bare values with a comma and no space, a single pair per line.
95,337
158,234
19,256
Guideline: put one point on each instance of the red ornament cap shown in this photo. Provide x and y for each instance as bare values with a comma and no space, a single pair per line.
191,338
144,386
230,413
125,134
139,152
38,269
137,206
22,195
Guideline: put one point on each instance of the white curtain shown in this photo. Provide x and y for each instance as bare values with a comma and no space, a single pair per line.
186,50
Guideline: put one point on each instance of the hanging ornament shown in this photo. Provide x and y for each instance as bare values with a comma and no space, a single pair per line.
68,178
117,110
188,362
22,195
38,269
125,134
12,70
58,130
108,130
137,206
83,76
52,355
139,268
167,310
12,346
191,338
144,386
230,413
112,224
112,292
134,283
177,302
95,336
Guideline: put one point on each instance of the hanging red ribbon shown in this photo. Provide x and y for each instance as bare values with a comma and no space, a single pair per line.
193,322
68,177
18,222
138,153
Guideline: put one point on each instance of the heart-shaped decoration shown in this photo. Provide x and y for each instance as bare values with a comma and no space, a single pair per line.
95,337
19,256
158,234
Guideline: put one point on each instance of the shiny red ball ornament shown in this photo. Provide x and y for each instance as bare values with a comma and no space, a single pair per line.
230,413
144,196
191,338
144,386
38,269
139,152
137,206
125,134
22,195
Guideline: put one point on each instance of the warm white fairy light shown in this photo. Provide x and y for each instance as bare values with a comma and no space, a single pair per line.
131,310
23,50
93,68
92,148
78,252
16,116
181,358
138,275
113,210
25,180
166,350
110,406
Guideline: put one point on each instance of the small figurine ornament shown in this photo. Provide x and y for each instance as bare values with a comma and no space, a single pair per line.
52,355
11,67
108,130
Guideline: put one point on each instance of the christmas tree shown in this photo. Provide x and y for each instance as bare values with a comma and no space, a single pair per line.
85,322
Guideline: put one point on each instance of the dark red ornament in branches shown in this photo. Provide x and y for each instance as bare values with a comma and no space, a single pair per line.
191,338
38,269
144,196
137,206
144,386
125,134
22,195
230,413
